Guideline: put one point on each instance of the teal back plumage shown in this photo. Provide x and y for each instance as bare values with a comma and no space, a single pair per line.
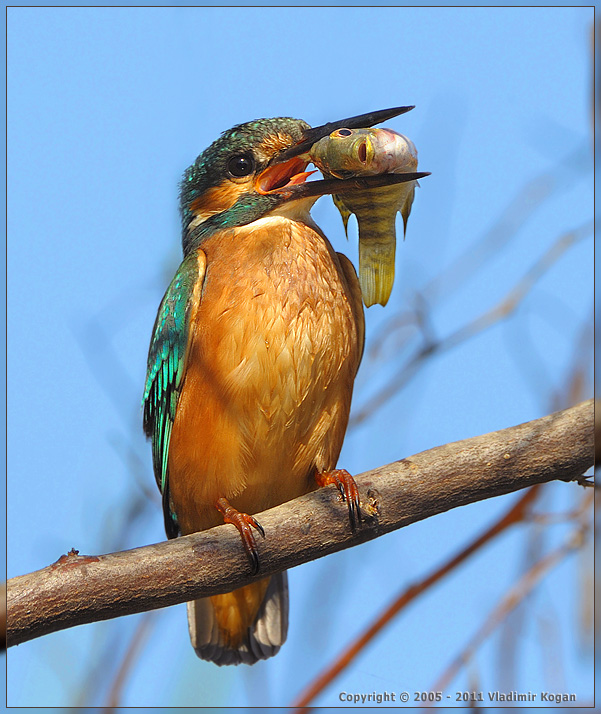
166,365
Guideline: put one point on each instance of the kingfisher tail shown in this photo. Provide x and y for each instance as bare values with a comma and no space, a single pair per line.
243,626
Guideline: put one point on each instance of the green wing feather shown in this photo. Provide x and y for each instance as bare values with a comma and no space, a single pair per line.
166,368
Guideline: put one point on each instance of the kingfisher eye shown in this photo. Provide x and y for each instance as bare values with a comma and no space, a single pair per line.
241,165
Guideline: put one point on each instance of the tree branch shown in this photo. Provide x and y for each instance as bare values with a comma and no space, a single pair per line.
515,514
81,589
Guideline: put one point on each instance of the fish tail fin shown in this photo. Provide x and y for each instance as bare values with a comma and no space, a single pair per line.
244,626
376,263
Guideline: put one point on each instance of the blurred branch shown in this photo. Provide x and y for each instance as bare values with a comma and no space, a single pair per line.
526,201
80,589
512,599
566,516
577,380
515,514
132,654
502,311
468,264
521,207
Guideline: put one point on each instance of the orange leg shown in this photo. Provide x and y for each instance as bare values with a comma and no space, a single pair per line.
345,483
243,523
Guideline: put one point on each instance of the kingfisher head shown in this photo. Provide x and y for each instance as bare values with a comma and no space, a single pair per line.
255,169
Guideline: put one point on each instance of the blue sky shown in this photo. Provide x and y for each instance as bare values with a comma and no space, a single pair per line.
106,108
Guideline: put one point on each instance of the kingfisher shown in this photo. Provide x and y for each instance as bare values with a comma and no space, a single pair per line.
251,365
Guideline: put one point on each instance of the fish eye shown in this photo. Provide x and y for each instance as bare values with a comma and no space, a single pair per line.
343,132
240,165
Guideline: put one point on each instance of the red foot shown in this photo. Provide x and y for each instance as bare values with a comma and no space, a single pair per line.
243,523
345,483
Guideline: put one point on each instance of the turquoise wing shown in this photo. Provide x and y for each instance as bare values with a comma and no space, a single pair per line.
166,369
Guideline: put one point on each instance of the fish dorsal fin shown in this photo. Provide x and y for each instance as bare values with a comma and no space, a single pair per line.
405,209
344,212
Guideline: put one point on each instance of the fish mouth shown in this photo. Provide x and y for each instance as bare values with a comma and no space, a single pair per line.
361,147
281,176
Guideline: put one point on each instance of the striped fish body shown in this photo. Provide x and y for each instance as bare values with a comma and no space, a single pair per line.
367,152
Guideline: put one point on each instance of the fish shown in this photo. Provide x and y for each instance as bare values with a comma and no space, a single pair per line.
347,153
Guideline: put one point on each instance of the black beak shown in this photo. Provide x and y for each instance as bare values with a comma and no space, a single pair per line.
341,186
310,136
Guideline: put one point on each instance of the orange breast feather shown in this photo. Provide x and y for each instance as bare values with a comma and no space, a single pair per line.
275,345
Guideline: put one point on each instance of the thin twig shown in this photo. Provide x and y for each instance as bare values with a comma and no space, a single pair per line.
134,650
491,317
511,600
465,266
514,515
573,514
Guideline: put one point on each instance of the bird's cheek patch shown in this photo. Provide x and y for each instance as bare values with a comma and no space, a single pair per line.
217,199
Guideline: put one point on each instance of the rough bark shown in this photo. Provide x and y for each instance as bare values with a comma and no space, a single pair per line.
78,589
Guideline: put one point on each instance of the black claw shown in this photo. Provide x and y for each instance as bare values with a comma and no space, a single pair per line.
254,561
354,508
347,488
260,528
243,522
250,546
357,513
352,517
